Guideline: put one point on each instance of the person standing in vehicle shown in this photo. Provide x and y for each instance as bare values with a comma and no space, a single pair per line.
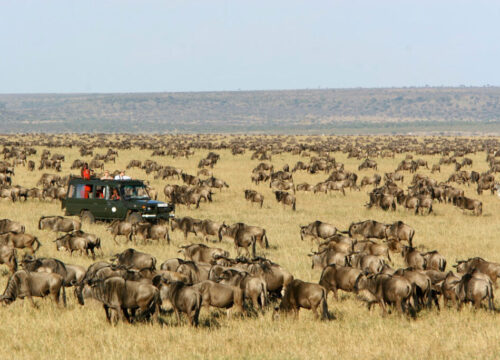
86,176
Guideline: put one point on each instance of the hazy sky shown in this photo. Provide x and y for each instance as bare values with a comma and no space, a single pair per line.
139,46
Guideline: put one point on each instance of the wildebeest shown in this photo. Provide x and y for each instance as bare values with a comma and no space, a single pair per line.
486,267
59,224
387,289
120,295
220,296
413,258
78,241
400,231
49,265
8,257
282,185
475,287
300,294
286,199
246,236
119,227
317,229
201,253
254,287
367,263
372,180
185,224
325,257
368,229
33,284
20,241
434,261
466,203
368,164
7,225
254,197
133,259
209,227
371,248
334,277
182,297
151,231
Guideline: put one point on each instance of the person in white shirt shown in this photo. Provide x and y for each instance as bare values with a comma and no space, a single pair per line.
122,176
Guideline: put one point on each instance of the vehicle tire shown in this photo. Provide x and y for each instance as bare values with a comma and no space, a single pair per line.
87,217
134,218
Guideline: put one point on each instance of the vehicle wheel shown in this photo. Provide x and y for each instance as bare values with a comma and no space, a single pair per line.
134,218
87,217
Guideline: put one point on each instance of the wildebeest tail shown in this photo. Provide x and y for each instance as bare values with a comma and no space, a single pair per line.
254,240
293,205
38,243
442,264
153,263
491,303
265,239
64,294
324,305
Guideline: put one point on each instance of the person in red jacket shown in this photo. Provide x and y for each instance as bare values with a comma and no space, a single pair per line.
86,176
86,172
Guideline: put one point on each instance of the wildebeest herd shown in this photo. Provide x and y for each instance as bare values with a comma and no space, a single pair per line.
133,285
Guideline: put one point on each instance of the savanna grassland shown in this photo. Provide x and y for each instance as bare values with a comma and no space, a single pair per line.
83,333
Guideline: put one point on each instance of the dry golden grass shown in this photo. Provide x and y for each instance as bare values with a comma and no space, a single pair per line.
82,332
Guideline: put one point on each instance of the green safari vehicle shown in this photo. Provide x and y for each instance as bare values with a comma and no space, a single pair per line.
113,199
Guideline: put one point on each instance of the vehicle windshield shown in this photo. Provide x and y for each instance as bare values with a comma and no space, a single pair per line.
134,192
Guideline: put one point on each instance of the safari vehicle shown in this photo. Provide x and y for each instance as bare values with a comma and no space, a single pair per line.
113,199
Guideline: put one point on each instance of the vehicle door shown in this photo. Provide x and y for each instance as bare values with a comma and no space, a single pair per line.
79,198
115,206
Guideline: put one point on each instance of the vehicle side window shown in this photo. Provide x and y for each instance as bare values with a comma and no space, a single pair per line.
71,191
84,191
100,191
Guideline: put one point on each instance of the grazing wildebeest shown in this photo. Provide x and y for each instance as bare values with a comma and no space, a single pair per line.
475,287
304,187
209,227
413,258
327,257
254,287
372,180
77,241
59,224
400,231
194,272
220,296
20,241
134,259
282,185
466,203
8,257
200,253
434,261
240,229
368,229
387,289
119,295
368,164
317,229
336,277
49,265
367,263
286,199
486,267
33,284
119,227
254,197
147,230
421,286
185,224
300,294
435,167
182,297
371,248
7,225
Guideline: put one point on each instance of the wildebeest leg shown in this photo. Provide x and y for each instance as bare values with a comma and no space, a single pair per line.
124,313
334,290
178,316
106,310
